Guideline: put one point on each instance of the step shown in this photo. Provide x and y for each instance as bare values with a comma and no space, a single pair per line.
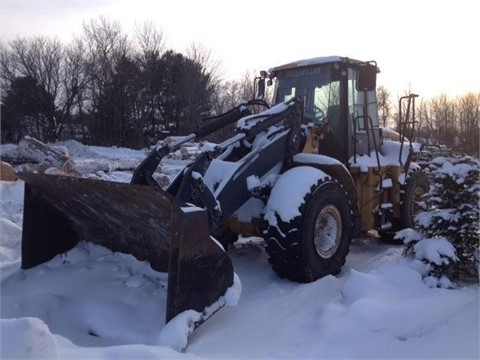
387,183
386,206
386,226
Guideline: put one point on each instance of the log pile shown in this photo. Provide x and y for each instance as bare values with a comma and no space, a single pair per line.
39,152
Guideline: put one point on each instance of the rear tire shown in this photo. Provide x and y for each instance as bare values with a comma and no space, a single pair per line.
315,243
417,186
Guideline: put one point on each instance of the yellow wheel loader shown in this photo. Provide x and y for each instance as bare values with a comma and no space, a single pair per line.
308,174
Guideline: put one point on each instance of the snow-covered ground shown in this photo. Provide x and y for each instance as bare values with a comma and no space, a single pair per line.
94,304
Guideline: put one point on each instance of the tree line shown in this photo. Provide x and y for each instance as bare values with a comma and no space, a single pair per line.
106,88
454,122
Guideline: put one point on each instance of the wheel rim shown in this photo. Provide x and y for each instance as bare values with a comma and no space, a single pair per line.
328,231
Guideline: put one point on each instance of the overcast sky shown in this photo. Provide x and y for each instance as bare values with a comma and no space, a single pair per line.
429,46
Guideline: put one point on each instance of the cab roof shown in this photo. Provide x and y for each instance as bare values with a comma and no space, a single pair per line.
315,61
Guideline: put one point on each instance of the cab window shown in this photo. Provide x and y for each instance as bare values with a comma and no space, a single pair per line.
356,104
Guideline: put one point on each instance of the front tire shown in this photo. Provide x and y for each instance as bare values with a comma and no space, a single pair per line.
316,242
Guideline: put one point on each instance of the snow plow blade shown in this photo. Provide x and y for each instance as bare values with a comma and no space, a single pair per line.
150,224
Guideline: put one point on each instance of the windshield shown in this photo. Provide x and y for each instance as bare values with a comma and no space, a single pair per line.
317,86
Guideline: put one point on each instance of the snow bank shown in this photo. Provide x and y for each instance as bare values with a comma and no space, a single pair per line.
10,241
90,295
80,150
11,218
27,338
393,307
12,191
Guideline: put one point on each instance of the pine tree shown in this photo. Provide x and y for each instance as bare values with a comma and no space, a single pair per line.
453,214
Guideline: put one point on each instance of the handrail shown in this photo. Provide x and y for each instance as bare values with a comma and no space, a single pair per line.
370,121
402,125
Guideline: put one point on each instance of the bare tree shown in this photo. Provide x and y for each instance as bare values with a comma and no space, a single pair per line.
233,93
469,122
453,122
75,84
443,116
149,39
425,127
7,67
105,46
384,105
45,61
210,65
150,47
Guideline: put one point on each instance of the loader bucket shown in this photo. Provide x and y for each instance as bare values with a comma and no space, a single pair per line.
153,226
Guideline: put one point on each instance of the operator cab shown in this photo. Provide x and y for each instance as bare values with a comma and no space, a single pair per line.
339,96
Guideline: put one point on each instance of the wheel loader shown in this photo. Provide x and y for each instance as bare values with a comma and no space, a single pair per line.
308,173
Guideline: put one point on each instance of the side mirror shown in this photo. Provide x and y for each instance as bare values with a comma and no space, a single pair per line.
367,77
